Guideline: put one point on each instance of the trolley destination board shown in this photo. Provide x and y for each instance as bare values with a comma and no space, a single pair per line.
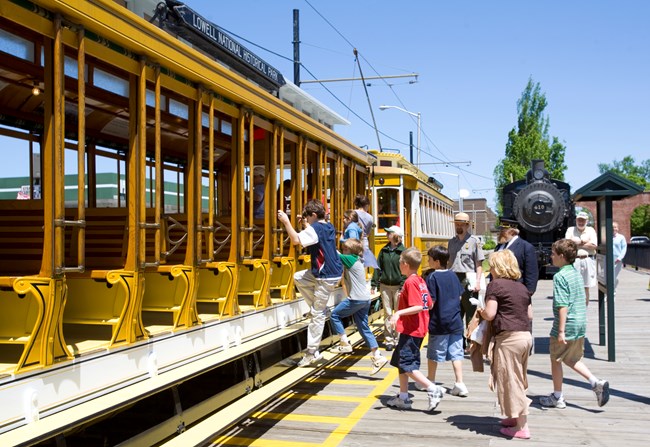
234,52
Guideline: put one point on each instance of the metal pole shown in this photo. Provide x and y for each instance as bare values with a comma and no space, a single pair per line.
460,198
411,145
419,134
321,81
296,47
365,88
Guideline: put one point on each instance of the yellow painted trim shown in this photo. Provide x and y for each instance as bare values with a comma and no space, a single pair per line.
319,419
353,382
357,414
333,398
237,440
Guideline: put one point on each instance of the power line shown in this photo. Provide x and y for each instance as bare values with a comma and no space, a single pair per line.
349,109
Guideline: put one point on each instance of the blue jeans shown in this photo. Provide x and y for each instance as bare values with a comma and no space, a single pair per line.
359,310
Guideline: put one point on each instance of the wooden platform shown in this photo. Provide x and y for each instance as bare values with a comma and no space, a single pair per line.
342,405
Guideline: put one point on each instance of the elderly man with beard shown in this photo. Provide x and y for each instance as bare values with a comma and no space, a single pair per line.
587,241
466,260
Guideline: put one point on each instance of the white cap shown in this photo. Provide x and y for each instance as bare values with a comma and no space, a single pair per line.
395,229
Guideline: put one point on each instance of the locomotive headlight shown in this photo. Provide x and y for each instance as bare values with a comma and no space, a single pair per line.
538,174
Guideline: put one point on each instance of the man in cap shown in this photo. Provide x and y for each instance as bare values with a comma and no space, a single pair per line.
466,260
388,279
524,252
585,237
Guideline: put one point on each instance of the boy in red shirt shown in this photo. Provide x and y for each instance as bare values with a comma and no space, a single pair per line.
411,321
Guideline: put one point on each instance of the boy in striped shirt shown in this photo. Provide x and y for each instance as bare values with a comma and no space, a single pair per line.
569,326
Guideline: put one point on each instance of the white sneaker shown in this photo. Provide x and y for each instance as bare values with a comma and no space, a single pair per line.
377,364
459,389
434,398
419,387
396,402
308,359
342,349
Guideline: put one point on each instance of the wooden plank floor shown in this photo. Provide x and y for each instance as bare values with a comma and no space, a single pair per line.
342,405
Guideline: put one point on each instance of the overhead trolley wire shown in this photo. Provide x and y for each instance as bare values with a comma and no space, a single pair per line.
346,106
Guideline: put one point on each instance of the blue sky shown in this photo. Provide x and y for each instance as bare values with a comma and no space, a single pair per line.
474,58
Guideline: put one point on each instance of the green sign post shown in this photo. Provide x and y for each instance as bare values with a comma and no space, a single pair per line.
604,190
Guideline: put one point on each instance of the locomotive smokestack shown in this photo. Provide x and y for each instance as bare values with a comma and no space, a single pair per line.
537,171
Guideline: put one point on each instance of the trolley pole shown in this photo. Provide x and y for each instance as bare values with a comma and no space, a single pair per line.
296,47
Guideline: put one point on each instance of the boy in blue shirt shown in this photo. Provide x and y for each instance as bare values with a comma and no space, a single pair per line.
315,284
445,323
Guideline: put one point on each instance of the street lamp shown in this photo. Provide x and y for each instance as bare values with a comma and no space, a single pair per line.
462,193
417,115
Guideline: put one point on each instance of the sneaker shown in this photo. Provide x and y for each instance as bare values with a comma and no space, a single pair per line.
308,359
396,402
512,432
601,389
419,387
434,398
377,364
459,389
342,349
389,347
552,402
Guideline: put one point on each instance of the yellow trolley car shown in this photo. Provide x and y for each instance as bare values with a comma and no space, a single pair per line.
404,195
134,246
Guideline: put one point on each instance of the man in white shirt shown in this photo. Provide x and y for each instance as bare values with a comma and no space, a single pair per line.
585,238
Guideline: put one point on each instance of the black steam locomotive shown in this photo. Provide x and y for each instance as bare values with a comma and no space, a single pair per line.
543,210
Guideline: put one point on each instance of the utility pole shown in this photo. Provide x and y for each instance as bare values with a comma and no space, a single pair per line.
296,47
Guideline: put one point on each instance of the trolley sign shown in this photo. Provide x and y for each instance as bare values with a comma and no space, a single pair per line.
228,46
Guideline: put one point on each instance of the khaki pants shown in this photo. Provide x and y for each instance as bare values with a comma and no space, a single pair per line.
390,301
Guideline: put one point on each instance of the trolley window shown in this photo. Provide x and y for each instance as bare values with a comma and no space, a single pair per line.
388,206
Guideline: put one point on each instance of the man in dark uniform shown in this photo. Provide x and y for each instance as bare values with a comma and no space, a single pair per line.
523,251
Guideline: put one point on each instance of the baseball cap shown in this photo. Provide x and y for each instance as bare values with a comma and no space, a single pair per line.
395,229
582,215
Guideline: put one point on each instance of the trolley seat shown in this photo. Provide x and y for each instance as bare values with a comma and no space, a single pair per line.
21,253
100,295
218,278
281,282
255,273
166,286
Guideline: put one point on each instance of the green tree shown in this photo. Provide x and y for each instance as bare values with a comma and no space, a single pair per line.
640,221
639,174
529,141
